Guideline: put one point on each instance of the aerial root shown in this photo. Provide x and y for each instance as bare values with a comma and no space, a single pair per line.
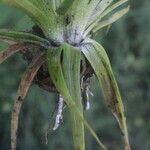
58,119
26,81
59,115
86,93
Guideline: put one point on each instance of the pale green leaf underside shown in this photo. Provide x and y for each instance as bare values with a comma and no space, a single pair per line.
57,76
98,59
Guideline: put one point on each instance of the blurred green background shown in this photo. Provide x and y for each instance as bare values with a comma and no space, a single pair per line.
127,44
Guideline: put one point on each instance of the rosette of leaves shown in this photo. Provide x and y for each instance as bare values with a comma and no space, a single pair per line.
62,57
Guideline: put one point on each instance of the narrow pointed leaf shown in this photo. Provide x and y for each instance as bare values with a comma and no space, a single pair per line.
102,5
113,18
56,73
103,14
40,11
22,37
30,9
71,71
98,59
112,7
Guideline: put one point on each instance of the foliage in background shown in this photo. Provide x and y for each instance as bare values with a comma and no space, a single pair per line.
130,61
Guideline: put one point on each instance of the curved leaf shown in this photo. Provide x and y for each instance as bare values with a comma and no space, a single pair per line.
102,5
30,9
103,14
22,37
114,17
71,70
99,60
57,76
111,8
40,11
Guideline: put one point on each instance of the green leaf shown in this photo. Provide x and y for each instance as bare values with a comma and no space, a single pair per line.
66,4
99,60
111,19
111,8
22,37
41,12
102,5
30,9
103,14
57,75
80,11
71,70
46,7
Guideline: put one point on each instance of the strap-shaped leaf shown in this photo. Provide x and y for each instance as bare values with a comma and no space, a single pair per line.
57,76
112,18
71,71
40,11
98,59
111,8
21,37
31,10
103,14
102,5
46,7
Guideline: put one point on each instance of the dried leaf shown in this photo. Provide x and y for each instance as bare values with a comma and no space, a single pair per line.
21,93
10,51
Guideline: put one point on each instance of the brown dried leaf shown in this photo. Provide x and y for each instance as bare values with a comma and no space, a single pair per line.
10,51
26,81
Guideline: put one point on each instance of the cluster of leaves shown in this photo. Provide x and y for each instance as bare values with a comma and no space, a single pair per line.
131,61
64,42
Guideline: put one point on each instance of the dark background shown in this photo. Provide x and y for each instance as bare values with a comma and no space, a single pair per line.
127,44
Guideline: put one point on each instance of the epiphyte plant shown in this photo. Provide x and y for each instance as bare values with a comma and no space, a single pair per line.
62,57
